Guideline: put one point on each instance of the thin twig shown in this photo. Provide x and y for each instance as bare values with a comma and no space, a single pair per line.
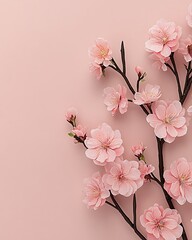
176,75
123,58
134,211
139,234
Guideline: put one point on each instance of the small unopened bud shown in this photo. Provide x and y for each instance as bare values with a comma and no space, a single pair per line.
71,116
141,74
138,151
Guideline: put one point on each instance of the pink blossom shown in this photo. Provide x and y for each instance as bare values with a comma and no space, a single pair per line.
148,95
186,48
163,38
71,114
79,131
104,145
189,111
95,191
96,70
138,149
168,120
178,181
123,177
145,169
116,99
159,61
101,52
189,15
161,224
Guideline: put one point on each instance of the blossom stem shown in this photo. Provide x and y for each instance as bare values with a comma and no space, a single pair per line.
134,211
138,82
187,89
176,75
123,57
117,206
123,75
160,143
187,75
109,203
80,141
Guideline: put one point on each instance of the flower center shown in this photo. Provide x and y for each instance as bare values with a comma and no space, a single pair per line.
103,52
184,178
96,192
159,224
164,39
121,177
105,145
167,120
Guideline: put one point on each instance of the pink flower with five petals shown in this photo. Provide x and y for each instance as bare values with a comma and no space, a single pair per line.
189,111
104,145
123,177
116,99
185,48
148,95
145,169
159,61
101,52
163,38
95,191
161,224
168,120
178,181
96,70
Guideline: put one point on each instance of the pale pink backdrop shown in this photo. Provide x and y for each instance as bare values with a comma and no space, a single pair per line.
43,71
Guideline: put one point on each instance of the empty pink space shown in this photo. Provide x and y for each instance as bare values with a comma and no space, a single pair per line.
44,70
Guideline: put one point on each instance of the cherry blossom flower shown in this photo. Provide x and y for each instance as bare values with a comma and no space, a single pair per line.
161,224
71,115
79,131
96,70
163,38
189,15
159,61
95,191
138,149
116,99
189,111
104,145
101,52
145,169
185,48
148,95
178,181
123,177
168,120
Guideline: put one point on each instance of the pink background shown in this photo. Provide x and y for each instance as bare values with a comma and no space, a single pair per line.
43,71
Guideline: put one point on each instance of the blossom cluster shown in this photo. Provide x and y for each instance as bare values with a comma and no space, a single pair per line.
168,118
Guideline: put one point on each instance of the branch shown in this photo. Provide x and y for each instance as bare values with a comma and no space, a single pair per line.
139,234
176,75
123,58
134,211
